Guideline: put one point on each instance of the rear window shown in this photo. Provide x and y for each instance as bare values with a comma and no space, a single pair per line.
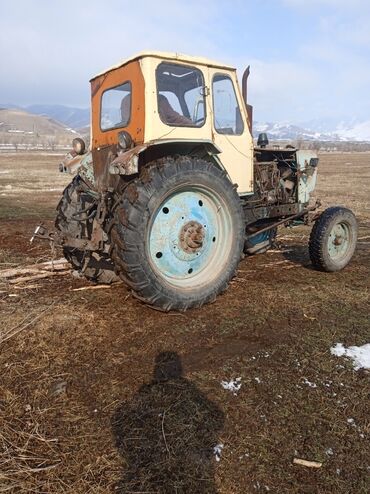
180,93
116,107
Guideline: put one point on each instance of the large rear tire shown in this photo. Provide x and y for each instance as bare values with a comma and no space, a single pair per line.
333,239
178,232
77,203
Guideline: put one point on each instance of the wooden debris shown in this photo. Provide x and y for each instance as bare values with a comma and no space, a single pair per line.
276,263
58,265
277,251
306,463
26,287
40,276
91,287
96,287
309,317
32,272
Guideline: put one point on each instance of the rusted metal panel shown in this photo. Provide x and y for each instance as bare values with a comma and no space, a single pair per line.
86,169
104,143
127,163
70,163
135,127
102,157
248,107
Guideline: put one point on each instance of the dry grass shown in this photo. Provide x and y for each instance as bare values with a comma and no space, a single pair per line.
80,411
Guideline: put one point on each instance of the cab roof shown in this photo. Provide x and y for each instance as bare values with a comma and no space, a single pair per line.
167,56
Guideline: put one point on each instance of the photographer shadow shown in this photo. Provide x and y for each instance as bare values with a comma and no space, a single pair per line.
166,434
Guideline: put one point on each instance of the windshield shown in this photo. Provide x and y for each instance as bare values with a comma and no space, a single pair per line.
180,93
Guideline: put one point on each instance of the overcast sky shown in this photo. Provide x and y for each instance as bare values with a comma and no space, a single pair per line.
309,58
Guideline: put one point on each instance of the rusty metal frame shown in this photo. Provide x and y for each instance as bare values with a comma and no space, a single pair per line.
288,219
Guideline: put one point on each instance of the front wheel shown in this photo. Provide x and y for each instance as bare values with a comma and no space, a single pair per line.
333,239
178,233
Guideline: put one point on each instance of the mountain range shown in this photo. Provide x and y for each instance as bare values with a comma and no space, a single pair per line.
343,132
314,130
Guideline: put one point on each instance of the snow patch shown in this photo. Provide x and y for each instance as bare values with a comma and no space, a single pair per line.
310,384
359,354
234,385
217,451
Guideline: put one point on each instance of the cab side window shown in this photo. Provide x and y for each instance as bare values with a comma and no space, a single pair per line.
116,107
226,111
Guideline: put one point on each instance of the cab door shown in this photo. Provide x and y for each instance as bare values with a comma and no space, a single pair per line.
230,129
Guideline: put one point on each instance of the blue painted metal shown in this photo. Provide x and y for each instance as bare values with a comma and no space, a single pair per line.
166,250
86,169
307,174
262,237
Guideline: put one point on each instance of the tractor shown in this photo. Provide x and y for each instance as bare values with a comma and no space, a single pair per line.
172,192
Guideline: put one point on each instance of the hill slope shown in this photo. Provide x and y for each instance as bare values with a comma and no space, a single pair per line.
74,118
18,127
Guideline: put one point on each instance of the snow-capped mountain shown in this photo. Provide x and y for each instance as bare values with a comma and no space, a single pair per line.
287,131
342,131
358,132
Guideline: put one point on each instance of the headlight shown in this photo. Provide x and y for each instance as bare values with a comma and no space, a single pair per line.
124,139
78,145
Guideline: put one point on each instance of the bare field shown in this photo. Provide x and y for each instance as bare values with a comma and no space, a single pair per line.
80,409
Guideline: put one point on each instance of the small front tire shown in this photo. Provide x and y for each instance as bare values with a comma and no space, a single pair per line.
333,239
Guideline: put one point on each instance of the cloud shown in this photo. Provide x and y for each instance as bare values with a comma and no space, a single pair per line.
307,58
339,49
60,48
337,4
280,90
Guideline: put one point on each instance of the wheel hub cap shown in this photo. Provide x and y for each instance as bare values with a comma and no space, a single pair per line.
338,241
191,237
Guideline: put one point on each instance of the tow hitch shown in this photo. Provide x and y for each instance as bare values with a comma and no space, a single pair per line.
41,233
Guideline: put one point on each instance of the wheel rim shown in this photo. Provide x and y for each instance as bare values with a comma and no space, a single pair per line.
339,241
190,237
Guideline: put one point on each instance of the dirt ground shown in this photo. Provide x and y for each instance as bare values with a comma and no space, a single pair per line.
82,412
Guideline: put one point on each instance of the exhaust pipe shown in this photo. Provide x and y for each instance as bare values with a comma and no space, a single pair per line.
245,97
